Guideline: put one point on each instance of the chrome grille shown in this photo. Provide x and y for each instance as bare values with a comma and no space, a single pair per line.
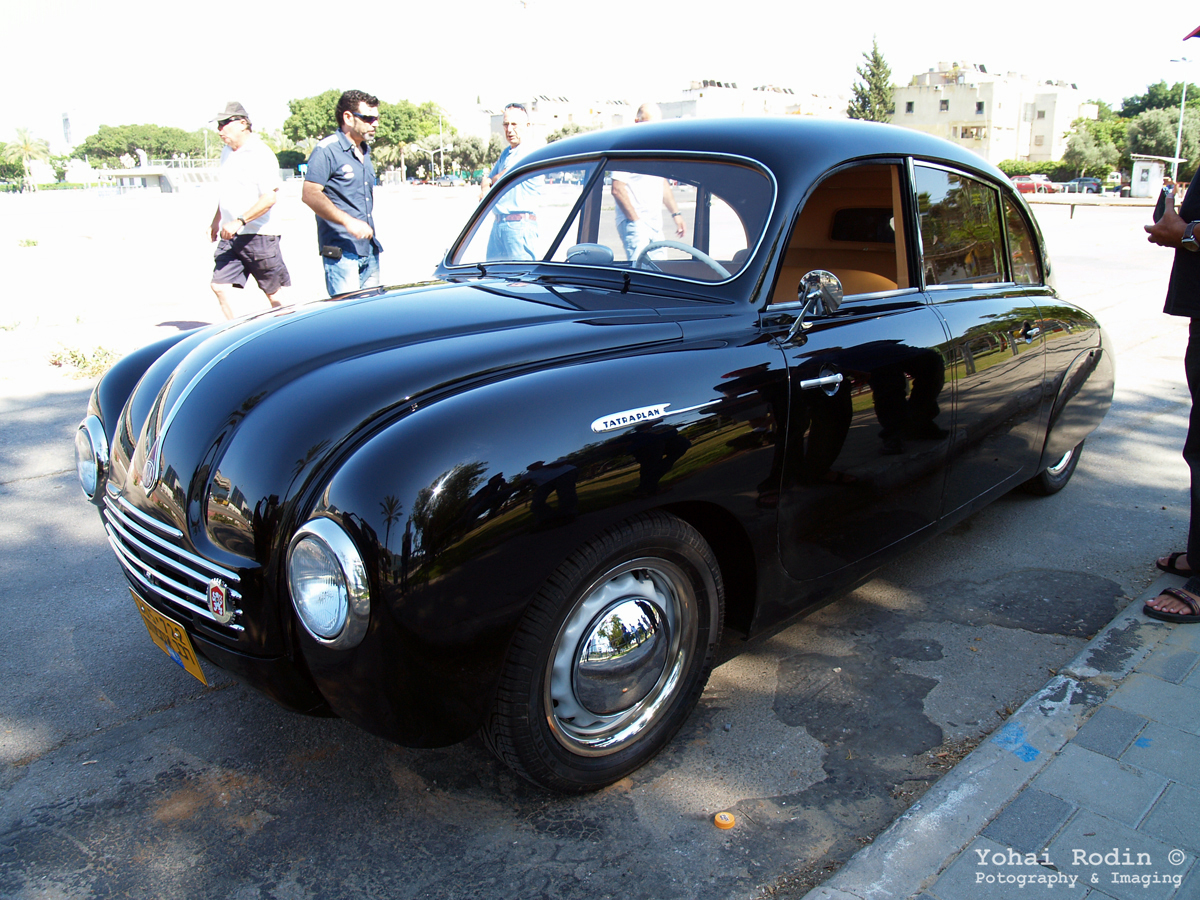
151,553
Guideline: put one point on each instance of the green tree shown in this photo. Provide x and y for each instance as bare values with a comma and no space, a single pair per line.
1154,133
1089,156
312,117
159,142
873,95
566,131
25,150
9,171
470,152
1159,96
495,147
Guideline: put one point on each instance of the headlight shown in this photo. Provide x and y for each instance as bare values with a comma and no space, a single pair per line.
328,584
91,457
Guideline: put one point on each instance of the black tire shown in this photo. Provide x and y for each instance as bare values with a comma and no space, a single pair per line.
1054,478
572,724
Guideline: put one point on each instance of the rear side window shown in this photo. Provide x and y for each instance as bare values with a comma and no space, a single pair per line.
1022,249
961,237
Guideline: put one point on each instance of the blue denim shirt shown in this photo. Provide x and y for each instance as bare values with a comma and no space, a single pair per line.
350,186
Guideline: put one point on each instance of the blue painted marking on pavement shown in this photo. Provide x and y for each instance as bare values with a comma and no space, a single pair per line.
1142,742
1012,738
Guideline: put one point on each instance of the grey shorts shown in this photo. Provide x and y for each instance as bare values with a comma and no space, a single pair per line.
251,254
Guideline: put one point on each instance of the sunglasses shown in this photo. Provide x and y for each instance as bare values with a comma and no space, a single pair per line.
225,122
370,120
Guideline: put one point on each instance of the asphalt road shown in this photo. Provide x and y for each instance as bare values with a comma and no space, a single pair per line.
120,775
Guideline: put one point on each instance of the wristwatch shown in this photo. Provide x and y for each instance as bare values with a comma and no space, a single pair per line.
1189,238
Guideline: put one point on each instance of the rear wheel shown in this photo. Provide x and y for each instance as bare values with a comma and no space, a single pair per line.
611,656
1054,478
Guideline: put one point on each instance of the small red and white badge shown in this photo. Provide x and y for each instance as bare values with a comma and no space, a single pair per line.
218,601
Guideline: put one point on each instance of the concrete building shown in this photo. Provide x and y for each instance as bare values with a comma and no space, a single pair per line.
1000,117
701,99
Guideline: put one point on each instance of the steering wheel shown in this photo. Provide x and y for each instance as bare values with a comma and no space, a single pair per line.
643,260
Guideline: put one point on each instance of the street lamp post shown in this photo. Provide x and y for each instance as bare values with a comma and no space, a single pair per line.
1179,135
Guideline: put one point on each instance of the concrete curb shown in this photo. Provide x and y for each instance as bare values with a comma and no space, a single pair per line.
918,846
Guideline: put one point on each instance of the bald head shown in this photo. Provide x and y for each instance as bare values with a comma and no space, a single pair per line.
648,112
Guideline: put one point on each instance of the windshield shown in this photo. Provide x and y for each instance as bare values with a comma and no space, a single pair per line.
684,218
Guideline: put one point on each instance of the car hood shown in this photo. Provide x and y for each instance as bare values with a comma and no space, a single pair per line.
238,426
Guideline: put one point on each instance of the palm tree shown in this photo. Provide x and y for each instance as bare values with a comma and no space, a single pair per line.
27,148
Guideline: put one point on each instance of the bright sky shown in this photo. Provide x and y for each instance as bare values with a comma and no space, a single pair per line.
177,63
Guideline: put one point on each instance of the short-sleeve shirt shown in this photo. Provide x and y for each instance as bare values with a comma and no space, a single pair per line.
1183,290
245,175
646,197
350,186
522,197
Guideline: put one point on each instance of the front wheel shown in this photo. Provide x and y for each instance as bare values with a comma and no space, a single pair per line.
611,656
1054,478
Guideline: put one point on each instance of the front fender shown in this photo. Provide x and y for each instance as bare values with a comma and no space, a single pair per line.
463,508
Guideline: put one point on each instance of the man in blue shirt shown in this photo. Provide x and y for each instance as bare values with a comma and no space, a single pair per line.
514,217
339,186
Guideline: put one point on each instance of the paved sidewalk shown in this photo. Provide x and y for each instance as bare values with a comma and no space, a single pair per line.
1089,790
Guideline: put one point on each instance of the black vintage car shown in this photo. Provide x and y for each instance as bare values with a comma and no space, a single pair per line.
527,497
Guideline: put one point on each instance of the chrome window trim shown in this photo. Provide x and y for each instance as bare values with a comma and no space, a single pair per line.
601,160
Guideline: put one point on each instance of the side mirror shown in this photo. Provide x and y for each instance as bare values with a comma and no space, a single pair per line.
821,293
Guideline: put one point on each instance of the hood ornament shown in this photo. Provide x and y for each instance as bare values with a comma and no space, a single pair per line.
150,471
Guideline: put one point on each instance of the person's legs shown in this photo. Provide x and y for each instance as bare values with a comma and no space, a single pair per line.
1165,602
342,275
265,262
223,292
229,272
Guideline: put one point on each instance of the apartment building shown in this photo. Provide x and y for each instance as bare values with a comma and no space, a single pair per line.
1000,117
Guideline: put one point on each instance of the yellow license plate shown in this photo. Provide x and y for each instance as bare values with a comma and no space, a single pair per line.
170,637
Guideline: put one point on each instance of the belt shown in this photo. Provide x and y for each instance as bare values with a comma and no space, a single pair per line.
517,217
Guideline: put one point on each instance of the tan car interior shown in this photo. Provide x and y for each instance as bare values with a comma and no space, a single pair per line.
863,266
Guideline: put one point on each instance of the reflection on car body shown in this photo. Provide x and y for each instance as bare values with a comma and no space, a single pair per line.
530,496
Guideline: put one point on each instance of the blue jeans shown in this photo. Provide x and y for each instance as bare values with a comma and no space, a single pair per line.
512,240
351,273
636,235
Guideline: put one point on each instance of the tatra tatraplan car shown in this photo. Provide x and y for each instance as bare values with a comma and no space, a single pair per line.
527,497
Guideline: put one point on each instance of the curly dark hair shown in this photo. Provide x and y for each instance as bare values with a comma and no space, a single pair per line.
348,103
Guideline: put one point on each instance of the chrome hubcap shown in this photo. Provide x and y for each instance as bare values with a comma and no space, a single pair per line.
618,658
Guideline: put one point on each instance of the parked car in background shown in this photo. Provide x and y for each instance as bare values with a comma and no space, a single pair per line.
1086,185
529,497
1034,184
450,181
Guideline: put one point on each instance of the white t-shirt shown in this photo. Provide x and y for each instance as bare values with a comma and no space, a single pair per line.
246,174
646,197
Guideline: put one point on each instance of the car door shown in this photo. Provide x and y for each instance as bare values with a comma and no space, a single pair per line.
981,271
862,459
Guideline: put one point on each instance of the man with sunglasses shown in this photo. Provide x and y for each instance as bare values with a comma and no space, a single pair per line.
339,186
248,241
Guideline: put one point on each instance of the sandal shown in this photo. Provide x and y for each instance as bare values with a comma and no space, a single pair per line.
1170,566
1185,597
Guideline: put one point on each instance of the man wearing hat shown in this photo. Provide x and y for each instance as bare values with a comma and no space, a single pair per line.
249,184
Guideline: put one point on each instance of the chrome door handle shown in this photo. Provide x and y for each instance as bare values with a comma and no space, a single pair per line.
808,384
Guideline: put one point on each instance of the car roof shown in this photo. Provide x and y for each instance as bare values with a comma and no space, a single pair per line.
780,142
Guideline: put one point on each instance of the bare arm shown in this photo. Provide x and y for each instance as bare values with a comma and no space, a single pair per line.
314,198
230,230
673,209
620,192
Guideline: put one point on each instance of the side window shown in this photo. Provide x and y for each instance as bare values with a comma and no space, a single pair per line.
960,229
853,226
1022,249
